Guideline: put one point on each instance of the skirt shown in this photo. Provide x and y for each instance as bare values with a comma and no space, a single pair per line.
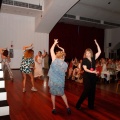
56,90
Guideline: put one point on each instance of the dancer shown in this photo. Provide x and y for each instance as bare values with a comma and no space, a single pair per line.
26,64
57,75
38,72
46,61
5,59
89,77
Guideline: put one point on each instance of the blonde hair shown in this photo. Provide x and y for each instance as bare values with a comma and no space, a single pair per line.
28,53
88,50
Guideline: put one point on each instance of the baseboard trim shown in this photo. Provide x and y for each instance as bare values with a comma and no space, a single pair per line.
15,68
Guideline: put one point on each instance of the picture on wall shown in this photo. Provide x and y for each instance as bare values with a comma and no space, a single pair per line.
11,54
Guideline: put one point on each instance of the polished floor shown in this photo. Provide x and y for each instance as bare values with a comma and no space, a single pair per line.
37,105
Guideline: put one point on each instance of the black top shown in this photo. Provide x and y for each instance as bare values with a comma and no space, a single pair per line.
90,64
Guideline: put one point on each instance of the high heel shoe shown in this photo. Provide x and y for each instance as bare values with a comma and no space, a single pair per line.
69,111
54,111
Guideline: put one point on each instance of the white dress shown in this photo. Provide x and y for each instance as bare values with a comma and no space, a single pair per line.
105,71
38,67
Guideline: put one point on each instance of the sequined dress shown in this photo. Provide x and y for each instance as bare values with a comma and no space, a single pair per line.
57,77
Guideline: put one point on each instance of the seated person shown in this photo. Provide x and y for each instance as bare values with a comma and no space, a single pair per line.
70,69
104,72
75,63
111,67
98,68
77,72
117,69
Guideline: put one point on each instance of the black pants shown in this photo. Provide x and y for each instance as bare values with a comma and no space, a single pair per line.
88,92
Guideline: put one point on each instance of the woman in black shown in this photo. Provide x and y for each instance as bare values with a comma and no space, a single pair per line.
89,77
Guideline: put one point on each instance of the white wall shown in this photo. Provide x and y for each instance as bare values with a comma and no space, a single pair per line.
107,40
111,36
115,37
53,11
32,1
20,30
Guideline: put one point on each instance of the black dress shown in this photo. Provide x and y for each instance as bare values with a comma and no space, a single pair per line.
89,81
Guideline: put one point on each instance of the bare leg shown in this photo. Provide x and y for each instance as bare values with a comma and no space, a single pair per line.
24,79
66,103
65,100
32,79
53,100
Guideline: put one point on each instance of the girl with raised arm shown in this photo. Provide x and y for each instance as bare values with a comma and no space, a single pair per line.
89,77
56,75
26,64
38,72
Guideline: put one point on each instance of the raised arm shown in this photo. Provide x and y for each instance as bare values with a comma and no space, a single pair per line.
28,47
99,50
2,49
44,55
53,56
61,48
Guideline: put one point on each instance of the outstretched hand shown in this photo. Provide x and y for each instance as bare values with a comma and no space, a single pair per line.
58,45
55,41
95,41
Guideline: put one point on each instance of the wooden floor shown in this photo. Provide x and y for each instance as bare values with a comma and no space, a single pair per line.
37,105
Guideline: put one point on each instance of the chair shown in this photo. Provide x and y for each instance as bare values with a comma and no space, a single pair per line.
117,85
118,76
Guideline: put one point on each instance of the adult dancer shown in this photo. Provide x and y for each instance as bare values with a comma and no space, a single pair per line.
26,64
38,72
89,77
56,75
5,59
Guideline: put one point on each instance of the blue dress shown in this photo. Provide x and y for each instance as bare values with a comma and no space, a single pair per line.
57,77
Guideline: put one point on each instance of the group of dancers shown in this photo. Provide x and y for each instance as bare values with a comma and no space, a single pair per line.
57,72
26,66
28,63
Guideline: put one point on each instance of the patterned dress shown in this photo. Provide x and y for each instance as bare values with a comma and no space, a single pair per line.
57,77
25,65
6,67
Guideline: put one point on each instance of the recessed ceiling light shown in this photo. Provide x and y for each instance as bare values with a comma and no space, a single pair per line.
109,3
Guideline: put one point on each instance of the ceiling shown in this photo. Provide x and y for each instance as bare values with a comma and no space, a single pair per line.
84,12
20,11
19,7
102,10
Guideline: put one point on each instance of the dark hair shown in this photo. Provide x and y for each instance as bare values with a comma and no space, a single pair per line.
57,49
40,52
5,53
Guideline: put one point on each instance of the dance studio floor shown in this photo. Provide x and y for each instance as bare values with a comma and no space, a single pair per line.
37,105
